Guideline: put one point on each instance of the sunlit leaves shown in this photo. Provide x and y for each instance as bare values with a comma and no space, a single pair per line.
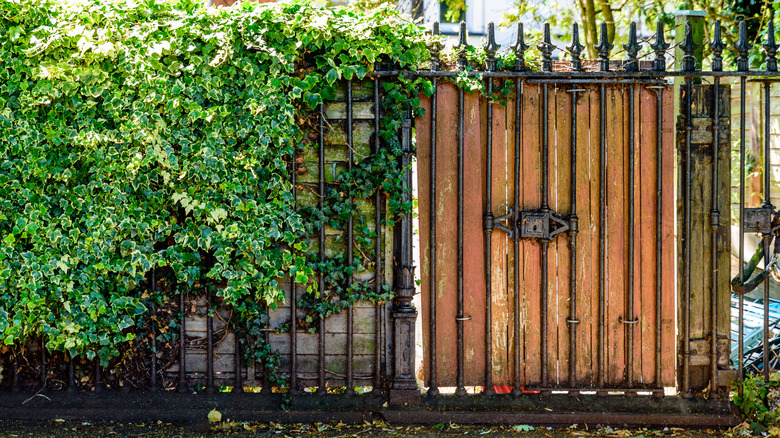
159,135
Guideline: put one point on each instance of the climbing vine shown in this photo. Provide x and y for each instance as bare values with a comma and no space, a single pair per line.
160,135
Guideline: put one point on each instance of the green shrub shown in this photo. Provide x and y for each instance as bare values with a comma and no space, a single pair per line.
141,135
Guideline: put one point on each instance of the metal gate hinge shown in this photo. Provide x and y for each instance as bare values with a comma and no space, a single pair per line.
544,225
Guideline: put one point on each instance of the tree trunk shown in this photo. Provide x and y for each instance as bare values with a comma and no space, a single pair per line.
606,12
589,25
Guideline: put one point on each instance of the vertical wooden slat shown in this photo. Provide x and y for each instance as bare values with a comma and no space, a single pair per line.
473,243
561,203
552,254
616,235
644,336
587,242
423,138
500,305
511,128
668,355
446,229
530,249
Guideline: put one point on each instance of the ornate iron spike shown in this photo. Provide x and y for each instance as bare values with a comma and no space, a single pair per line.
520,47
545,47
742,47
633,46
688,47
436,47
604,48
575,48
771,47
462,46
717,46
491,47
659,47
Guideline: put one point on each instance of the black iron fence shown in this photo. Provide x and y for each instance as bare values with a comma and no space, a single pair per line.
547,218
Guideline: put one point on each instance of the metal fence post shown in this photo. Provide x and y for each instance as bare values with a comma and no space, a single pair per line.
404,385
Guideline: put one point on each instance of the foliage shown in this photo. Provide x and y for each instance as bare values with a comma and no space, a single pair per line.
160,135
618,14
758,407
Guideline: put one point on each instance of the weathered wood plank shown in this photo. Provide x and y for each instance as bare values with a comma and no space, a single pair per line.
587,213
500,244
668,348
646,211
616,213
473,243
447,233
511,127
423,138
561,203
530,249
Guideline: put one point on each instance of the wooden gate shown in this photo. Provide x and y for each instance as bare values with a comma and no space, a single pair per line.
572,289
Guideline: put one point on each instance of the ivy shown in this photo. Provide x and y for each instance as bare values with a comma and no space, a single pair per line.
160,135
758,403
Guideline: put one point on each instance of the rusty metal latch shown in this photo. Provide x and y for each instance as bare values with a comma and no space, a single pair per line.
544,225
758,220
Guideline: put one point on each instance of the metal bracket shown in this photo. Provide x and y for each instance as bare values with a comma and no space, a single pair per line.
544,225
499,223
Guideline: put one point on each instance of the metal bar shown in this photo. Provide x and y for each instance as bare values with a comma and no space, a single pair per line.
153,364
545,243
767,204
321,390
602,232
609,74
630,259
71,375
350,241
715,221
378,247
573,230
518,380
15,371
182,386
461,389
238,385
43,363
489,247
688,232
266,388
293,297
209,333
741,261
98,377
433,389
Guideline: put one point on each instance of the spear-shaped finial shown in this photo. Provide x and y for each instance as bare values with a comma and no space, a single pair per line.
604,48
545,47
659,47
491,47
717,47
462,46
520,47
575,48
742,47
771,47
436,47
688,47
632,48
